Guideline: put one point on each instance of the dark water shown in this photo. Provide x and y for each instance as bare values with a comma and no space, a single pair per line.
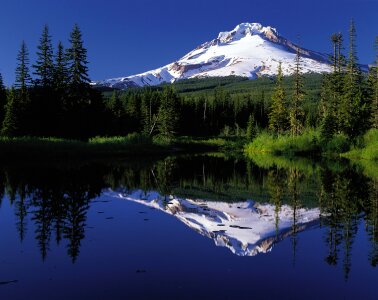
189,227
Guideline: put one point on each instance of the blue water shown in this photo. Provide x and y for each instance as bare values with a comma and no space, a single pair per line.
130,251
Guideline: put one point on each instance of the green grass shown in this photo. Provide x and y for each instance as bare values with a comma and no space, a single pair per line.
267,161
119,146
368,150
131,139
220,143
307,143
31,147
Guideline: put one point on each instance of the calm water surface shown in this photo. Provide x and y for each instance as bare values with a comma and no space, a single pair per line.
189,227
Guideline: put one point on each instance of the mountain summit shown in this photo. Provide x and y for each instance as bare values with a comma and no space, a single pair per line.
249,50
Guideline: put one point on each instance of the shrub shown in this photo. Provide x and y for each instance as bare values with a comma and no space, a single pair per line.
338,144
308,142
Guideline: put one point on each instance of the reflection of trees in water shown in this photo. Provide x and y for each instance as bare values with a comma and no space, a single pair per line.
21,213
329,207
56,199
42,218
344,195
162,173
76,206
372,221
294,192
276,183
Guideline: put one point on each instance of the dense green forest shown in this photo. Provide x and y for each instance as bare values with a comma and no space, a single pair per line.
54,98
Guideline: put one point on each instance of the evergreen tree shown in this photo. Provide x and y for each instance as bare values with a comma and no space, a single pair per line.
115,104
44,104
334,39
22,103
296,113
3,99
44,67
148,111
354,108
10,123
83,106
132,107
331,92
251,129
167,116
117,113
373,79
77,61
340,56
278,112
60,79
328,129
60,84
23,78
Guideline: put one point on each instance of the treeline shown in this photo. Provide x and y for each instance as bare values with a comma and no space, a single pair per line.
56,99
343,102
53,97
206,107
348,102
166,113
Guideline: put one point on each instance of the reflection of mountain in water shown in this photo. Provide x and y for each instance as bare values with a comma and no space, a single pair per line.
246,228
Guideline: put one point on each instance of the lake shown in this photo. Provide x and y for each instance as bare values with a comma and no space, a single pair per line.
189,227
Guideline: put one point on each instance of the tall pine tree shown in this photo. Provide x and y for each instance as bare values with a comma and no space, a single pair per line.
44,103
278,111
168,114
22,110
44,66
60,84
331,92
60,76
82,106
23,79
77,63
3,99
117,113
354,107
251,129
374,89
10,123
296,113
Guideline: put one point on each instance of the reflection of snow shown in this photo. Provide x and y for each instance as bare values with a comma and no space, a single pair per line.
246,228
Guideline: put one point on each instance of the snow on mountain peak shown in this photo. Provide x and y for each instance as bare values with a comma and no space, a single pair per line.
245,29
249,50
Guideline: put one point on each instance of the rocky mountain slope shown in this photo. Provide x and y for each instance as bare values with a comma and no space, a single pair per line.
249,50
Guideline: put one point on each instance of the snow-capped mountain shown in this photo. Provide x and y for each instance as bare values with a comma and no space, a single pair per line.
249,50
246,228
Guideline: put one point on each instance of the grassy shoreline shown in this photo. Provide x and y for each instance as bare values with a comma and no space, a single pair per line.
130,145
310,144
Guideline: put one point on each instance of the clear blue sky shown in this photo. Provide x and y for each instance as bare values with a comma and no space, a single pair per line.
126,37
